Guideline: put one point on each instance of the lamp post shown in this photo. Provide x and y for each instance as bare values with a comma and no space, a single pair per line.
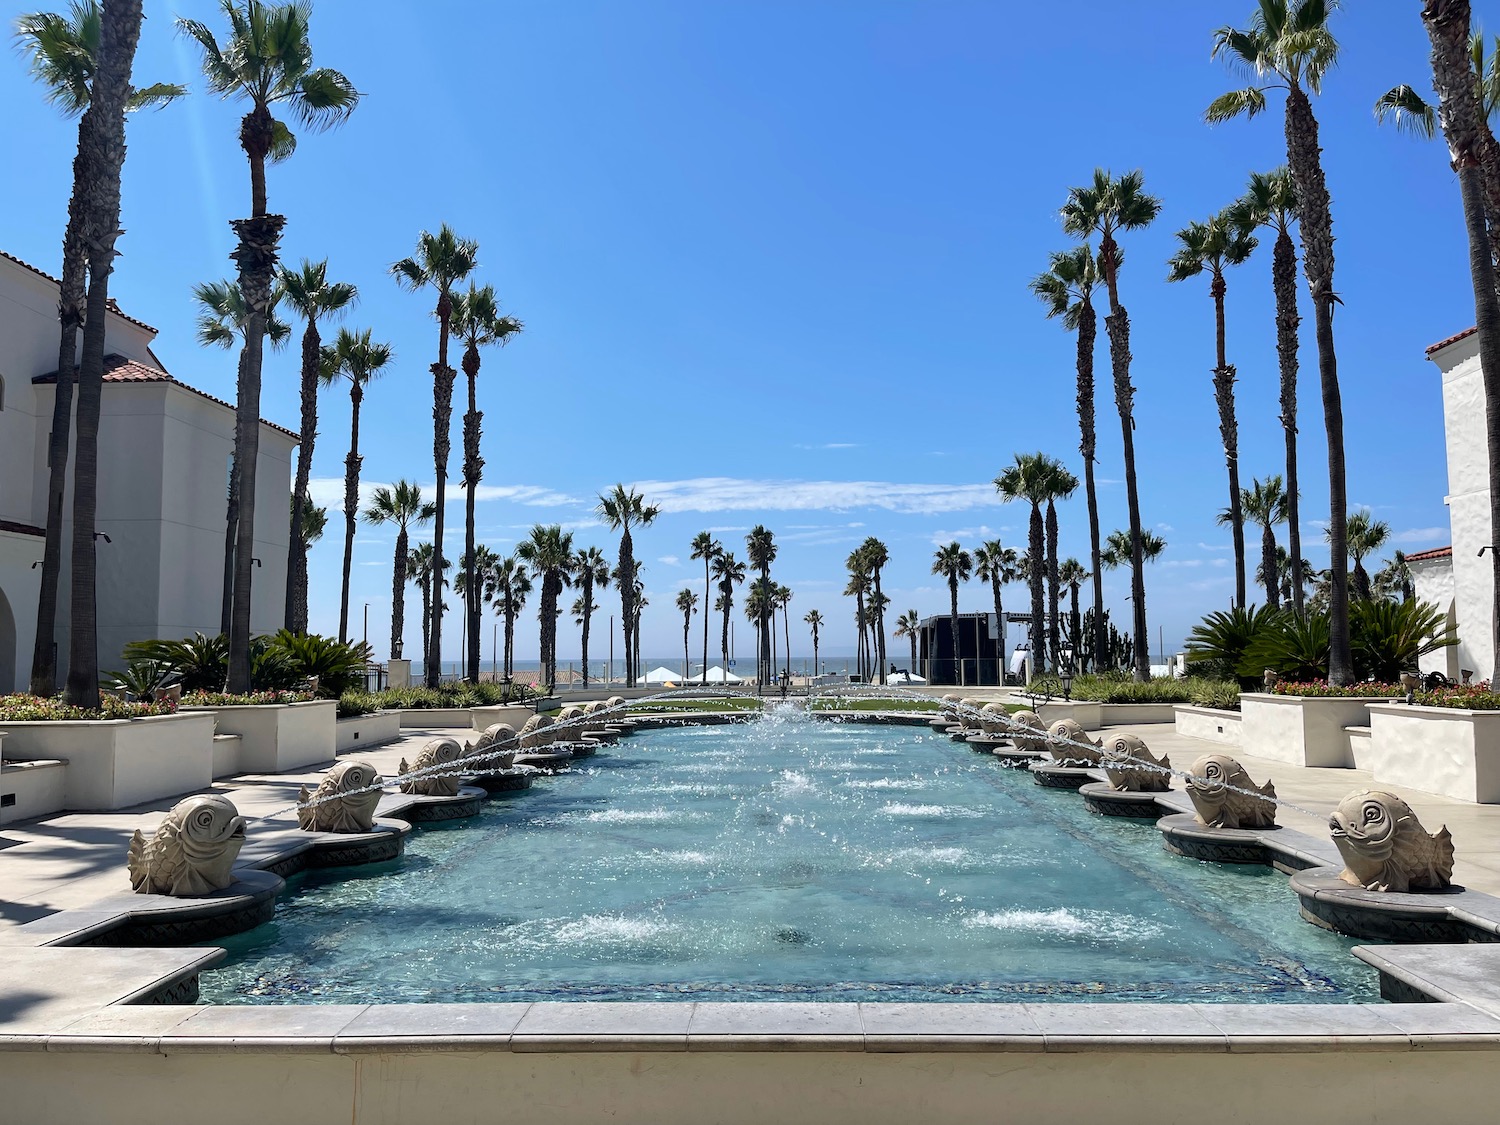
367,624
1065,670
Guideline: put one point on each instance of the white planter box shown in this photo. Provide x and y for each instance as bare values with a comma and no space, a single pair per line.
1087,715
1208,723
1125,714
1302,730
1442,750
115,763
280,736
485,717
32,789
423,717
368,730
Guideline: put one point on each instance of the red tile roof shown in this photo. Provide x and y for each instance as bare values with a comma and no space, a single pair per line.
113,306
22,528
1441,344
118,369
1435,553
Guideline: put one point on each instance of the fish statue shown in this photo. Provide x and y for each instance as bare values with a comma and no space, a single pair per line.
1132,768
192,852
1223,795
570,719
1027,731
344,800
1385,847
438,752
536,733
614,702
992,719
494,749
1069,745
949,708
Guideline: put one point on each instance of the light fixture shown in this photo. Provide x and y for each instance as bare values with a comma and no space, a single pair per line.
1065,671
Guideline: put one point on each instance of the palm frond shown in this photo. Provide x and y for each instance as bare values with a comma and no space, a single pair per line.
154,96
1408,111
1226,107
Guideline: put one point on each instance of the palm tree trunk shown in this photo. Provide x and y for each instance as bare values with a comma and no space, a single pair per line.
625,582
443,378
1284,285
588,617
102,149
351,508
231,533
912,636
1088,330
1268,564
1077,620
473,471
764,640
1038,555
786,636
724,635
398,594
510,640
958,664
1316,226
771,649
880,664
999,626
1229,432
1053,593
687,628
1468,137
426,617
71,295
707,604
295,617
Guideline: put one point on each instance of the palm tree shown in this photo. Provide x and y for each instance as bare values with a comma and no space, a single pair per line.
309,294
479,562
728,572
476,320
1058,484
266,61
1071,575
705,547
420,573
875,607
1264,503
956,565
1067,289
760,547
909,625
356,357
590,571
63,50
222,317
876,556
1395,578
1108,206
1118,546
783,601
1289,42
512,584
1224,240
687,603
857,587
815,620
1271,202
549,554
994,563
619,508
1026,479
1365,535
402,505
638,606
1411,113
442,260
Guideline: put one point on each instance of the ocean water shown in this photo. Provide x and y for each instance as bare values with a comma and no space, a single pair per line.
789,859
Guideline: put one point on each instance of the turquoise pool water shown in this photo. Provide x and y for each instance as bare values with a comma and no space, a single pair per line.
789,859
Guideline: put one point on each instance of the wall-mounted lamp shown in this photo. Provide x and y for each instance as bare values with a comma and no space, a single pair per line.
36,564
98,535
255,561
1486,547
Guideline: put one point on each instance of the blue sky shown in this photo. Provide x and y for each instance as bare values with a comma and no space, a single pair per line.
772,260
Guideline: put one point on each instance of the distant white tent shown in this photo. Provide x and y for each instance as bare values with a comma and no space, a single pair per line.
663,676
717,675
904,678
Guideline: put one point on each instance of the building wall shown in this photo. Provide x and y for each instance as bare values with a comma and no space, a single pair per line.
19,583
1432,581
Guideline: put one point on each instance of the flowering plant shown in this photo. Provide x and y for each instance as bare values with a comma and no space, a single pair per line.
1321,689
23,708
250,699
1470,697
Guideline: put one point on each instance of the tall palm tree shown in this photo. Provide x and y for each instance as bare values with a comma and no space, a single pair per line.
480,563
875,607
1405,108
1108,206
311,295
512,584
1394,578
728,573
1071,575
477,321
994,563
355,357
549,554
63,52
638,606
1365,535
619,508
1265,503
1224,240
760,548
705,547
956,565
908,625
1058,484
783,601
1067,289
266,61
314,522
815,620
1117,548
857,587
1288,42
423,560
590,572
687,603
876,556
442,260
1271,202
402,505
1026,479
222,318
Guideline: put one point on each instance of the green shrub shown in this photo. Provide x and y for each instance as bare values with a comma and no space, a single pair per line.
339,667
1221,694
1295,647
354,703
1472,697
1218,645
281,662
250,699
1322,689
22,708
1386,638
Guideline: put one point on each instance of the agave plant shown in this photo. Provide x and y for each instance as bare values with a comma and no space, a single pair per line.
143,681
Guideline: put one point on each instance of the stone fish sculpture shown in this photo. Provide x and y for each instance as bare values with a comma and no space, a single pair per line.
1385,847
570,719
992,719
1132,768
495,748
343,800
192,850
1223,795
1069,745
438,752
536,733
1027,731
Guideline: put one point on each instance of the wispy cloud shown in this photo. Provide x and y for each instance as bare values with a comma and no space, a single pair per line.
1422,535
725,494
329,492
669,560
1215,547
829,445
966,534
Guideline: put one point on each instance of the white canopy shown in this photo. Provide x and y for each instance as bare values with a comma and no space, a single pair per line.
904,678
717,675
663,676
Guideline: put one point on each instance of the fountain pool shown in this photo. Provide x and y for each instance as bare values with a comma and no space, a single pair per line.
789,859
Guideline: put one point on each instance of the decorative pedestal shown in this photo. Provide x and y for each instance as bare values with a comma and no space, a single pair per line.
1104,799
1183,835
1011,758
583,749
548,761
432,810
162,920
501,781
987,743
1329,902
1062,777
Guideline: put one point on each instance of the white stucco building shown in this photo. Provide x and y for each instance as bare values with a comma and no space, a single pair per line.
1458,579
164,453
